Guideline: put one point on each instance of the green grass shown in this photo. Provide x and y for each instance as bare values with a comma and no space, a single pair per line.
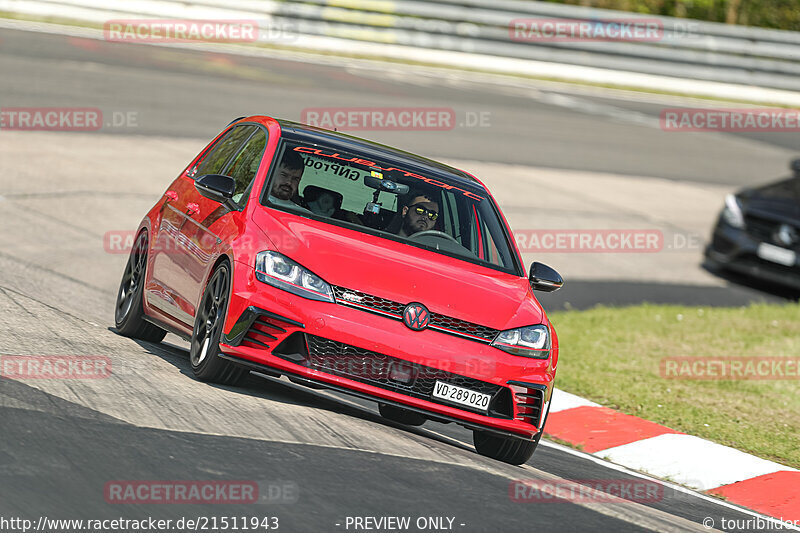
612,356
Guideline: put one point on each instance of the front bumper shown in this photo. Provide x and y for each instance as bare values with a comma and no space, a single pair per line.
737,250
351,350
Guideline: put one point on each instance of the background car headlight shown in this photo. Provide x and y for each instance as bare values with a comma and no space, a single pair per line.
530,341
281,272
732,214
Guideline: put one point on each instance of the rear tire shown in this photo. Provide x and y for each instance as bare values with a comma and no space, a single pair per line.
400,415
129,310
204,357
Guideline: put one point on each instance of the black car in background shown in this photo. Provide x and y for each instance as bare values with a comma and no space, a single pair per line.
758,233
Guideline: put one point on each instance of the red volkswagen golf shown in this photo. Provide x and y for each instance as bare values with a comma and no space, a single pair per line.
342,263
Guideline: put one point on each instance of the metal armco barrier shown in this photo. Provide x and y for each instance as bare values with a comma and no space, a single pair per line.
685,48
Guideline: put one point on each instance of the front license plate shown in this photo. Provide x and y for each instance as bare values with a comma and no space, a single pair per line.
776,254
460,395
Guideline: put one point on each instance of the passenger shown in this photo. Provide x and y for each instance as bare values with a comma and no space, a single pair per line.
328,203
287,180
321,202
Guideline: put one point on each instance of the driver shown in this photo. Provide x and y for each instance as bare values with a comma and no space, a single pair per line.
419,214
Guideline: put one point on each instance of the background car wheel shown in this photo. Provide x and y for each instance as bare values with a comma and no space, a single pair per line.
506,449
128,313
403,416
204,352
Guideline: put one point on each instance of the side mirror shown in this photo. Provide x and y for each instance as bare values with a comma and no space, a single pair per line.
218,188
545,279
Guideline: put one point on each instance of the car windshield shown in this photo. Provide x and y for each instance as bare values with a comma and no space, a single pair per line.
369,195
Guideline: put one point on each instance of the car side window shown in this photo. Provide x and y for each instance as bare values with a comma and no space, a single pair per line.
450,222
214,162
244,165
483,240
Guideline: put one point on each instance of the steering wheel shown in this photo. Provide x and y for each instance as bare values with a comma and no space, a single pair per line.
434,233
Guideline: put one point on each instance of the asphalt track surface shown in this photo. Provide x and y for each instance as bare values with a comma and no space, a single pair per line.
181,93
63,440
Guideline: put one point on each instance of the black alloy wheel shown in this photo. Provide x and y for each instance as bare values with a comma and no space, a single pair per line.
204,352
129,311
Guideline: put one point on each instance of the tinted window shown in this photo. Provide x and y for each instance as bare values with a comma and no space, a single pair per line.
214,162
244,165
438,212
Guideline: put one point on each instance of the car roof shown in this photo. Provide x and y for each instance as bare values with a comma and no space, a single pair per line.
297,131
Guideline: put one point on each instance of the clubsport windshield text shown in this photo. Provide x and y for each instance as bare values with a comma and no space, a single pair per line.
372,164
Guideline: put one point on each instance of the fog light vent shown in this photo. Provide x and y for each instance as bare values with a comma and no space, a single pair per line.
527,402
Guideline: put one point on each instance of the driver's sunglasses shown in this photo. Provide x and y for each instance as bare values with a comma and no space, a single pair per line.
432,215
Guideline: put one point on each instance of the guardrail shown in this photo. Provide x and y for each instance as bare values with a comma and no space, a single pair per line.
685,49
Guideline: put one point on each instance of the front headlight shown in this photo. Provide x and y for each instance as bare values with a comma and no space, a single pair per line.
530,341
279,271
732,214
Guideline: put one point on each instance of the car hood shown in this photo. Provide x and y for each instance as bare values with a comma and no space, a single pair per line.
403,273
779,200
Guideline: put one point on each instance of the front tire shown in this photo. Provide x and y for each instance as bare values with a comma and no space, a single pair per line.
506,449
204,352
129,311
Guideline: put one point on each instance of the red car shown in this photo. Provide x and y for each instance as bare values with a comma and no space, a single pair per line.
342,263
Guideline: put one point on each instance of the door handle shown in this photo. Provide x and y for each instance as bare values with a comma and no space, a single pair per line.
171,196
192,208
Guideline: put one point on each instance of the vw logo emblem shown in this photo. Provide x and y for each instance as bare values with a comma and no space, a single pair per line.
786,235
416,316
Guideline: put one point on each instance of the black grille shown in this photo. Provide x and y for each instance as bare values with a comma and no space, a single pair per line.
766,230
462,326
373,368
761,228
367,300
438,321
